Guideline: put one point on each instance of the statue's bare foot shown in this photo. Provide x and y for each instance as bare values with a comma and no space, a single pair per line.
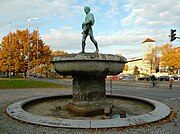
96,52
82,52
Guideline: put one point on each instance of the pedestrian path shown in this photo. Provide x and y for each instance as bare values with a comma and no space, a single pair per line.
176,98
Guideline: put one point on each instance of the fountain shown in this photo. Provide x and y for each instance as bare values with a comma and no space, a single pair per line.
88,106
89,71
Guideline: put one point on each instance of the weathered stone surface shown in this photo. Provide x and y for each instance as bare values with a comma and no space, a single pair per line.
88,63
86,88
161,111
88,71
88,108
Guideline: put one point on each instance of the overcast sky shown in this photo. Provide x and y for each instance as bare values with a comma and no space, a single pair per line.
120,27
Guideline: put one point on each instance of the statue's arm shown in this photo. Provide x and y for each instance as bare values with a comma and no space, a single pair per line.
87,22
90,19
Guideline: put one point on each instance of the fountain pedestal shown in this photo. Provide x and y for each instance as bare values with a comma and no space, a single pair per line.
89,95
88,71
88,87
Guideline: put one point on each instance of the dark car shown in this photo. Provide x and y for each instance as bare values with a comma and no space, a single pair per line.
163,78
144,78
176,77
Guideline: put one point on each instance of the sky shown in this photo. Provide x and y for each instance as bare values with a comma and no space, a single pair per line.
120,25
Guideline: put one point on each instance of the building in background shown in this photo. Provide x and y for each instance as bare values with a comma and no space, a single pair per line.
147,46
144,66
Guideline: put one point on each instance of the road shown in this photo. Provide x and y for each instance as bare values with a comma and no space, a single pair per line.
136,88
139,89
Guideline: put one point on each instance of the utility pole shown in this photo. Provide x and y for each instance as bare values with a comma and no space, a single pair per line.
37,51
9,51
29,20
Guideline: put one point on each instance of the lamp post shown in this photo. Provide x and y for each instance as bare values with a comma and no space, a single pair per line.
37,52
9,51
29,20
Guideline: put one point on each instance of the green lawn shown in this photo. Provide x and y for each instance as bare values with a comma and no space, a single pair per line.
23,83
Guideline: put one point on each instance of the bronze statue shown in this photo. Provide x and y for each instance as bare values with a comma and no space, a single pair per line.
87,29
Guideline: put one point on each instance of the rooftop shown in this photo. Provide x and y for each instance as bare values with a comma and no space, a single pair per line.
148,40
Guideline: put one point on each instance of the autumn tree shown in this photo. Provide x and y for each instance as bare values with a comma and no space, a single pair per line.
14,51
126,67
170,56
136,70
152,59
58,52
177,57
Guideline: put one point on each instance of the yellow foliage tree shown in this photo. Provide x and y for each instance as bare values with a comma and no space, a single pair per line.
14,51
152,59
126,67
170,56
58,52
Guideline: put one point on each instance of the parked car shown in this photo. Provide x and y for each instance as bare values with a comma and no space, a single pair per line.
175,77
39,75
163,78
144,78
128,78
114,77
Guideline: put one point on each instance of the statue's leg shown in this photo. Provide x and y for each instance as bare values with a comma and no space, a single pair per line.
83,42
93,40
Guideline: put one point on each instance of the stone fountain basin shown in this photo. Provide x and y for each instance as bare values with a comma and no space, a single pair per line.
160,111
88,63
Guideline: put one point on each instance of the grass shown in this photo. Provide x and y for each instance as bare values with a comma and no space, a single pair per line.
23,83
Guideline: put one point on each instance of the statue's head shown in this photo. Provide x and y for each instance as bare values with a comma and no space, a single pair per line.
87,9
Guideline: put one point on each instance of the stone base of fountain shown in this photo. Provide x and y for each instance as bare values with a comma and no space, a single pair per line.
88,87
88,108
89,96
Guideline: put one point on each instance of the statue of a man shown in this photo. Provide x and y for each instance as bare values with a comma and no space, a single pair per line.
87,29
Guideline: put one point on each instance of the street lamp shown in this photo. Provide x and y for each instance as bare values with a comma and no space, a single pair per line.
9,51
29,20
37,52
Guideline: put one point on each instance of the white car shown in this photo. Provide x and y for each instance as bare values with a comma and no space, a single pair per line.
128,78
